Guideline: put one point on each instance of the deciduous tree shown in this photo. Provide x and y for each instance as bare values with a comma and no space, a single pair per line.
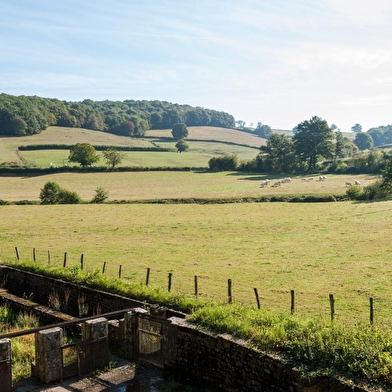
182,145
314,140
363,141
278,153
113,157
83,153
180,131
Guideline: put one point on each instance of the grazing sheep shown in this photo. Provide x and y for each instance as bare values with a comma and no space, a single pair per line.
357,183
277,183
264,183
348,183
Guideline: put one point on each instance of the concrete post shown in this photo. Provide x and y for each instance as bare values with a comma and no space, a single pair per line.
48,355
5,365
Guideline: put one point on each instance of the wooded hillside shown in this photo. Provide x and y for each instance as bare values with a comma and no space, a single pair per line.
29,115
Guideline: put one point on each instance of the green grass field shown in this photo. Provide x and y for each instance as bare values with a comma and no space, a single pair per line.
315,249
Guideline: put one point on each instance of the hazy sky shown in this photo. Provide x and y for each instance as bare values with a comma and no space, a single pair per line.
278,62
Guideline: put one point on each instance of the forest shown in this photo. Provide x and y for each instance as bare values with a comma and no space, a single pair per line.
29,115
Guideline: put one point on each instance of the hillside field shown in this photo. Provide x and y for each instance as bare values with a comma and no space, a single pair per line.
201,149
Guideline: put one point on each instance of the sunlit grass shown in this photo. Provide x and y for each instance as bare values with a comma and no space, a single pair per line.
314,249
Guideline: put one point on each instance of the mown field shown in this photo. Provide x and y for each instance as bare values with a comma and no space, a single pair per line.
166,184
315,249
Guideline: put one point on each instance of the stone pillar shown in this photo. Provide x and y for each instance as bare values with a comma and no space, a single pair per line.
95,354
130,333
48,355
5,365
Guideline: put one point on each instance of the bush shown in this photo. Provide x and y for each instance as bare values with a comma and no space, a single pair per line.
226,162
100,196
52,193
68,197
354,192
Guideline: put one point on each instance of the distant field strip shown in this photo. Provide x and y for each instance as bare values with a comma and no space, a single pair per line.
315,249
166,184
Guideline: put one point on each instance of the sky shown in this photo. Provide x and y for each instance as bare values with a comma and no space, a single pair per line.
277,62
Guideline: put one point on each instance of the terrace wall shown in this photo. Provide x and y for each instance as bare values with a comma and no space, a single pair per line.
220,360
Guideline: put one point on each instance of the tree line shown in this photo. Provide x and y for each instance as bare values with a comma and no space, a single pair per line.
29,115
314,147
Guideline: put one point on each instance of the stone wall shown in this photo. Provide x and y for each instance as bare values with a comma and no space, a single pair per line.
220,360
72,297
229,364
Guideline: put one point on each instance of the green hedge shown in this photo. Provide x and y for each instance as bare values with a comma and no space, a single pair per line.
34,147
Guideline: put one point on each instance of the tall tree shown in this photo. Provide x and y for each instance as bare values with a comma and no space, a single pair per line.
263,130
363,141
356,128
83,153
179,131
278,153
314,140
339,145
113,157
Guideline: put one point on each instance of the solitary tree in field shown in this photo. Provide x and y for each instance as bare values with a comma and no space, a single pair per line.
113,157
314,140
182,145
180,131
83,153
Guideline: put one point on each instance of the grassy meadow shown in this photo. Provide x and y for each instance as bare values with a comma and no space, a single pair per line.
315,249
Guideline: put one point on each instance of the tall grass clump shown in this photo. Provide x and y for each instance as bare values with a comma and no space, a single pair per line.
95,279
23,346
323,347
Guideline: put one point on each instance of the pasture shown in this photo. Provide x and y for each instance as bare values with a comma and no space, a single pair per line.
148,185
315,249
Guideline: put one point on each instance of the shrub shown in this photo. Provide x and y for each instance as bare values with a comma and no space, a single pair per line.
101,196
354,192
226,162
68,197
52,193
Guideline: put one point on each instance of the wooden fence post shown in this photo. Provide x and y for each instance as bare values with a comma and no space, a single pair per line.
34,254
65,260
17,253
48,257
371,310
292,308
104,267
196,286
148,276
81,261
229,291
332,305
170,282
120,271
257,298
